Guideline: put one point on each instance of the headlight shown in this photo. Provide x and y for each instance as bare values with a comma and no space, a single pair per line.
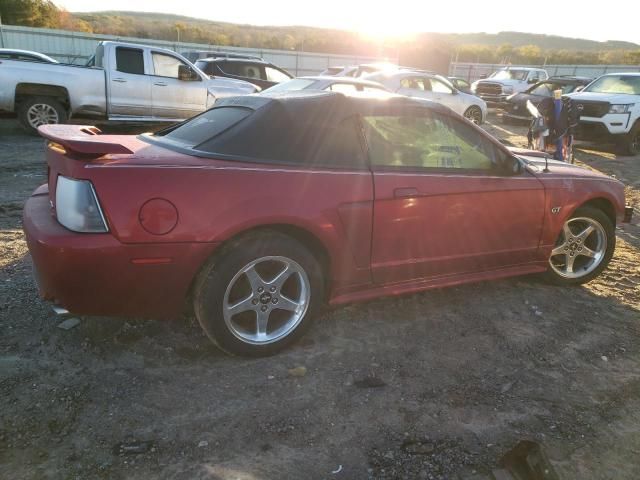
77,206
621,108
507,90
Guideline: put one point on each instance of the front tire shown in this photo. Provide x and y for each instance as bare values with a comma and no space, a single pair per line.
36,111
630,144
583,249
259,294
473,114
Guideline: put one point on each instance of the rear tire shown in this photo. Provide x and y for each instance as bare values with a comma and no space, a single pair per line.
36,111
259,294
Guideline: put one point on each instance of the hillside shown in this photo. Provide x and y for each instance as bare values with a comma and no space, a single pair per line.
427,50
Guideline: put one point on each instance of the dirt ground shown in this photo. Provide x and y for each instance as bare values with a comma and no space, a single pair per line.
429,386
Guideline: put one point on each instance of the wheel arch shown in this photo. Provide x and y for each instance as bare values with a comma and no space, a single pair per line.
303,235
603,204
26,90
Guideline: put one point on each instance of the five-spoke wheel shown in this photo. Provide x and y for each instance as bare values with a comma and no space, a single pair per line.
258,293
584,247
266,299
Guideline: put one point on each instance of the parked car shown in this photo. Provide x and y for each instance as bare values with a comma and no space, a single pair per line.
609,110
361,70
263,208
127,83
259,72
24,55
461,84
339,71
429,86
507,81
332,84
516,105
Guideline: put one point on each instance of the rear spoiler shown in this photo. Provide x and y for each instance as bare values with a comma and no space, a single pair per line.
82,139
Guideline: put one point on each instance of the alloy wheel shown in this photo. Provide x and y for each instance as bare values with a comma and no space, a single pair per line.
42,114
580,248
266,300
474,115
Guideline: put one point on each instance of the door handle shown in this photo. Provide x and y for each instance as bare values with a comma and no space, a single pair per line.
160,84
120,80
405,192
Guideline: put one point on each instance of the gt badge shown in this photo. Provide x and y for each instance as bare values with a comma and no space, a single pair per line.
555,210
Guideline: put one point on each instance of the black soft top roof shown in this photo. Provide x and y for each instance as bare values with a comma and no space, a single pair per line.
313,102
309,127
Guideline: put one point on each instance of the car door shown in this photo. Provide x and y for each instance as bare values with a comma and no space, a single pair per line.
129,88
444,94
174,98
444,202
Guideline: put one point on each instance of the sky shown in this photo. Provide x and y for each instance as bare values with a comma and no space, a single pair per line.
588,19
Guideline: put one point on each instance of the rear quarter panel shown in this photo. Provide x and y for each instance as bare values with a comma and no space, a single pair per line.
217,200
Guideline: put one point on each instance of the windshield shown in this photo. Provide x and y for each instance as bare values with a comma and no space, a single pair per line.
509,75
625,84
290,85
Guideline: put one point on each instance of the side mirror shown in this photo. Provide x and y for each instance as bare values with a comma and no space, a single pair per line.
187,74
579,88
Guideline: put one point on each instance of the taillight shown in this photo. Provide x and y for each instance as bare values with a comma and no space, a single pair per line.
77,207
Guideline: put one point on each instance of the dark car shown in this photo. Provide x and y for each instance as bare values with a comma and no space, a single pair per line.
259,72
461,84
516,105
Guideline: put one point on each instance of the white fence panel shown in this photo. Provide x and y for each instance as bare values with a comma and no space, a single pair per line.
75,47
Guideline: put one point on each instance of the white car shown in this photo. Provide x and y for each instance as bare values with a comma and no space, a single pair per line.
507,81
609,109
429,86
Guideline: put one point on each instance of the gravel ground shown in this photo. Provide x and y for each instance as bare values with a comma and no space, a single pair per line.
438,385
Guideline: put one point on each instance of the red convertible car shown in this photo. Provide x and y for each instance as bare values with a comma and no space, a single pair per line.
258,211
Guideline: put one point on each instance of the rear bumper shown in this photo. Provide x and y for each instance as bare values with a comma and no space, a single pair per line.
95,274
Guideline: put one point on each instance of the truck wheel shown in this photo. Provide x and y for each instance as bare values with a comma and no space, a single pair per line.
630,145
36,111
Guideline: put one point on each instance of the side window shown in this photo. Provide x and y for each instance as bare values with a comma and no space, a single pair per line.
341,147
439,87
426,142
130,60
416,83
165,65
275,75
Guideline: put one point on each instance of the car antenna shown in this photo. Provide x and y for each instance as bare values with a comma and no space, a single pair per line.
546,163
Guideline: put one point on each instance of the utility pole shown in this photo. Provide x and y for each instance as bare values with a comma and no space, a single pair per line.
1,34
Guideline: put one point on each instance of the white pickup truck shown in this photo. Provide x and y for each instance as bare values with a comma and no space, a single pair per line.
609,109
507,81
125,83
